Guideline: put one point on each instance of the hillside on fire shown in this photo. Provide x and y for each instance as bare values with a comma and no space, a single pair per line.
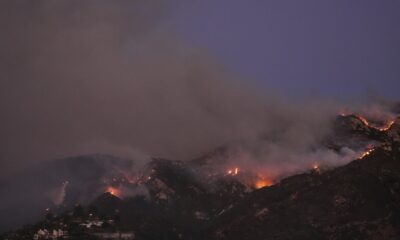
100,197
199,120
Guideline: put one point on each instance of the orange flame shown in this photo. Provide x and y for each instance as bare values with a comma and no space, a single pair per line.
232,172
113,191
366,153
263,183
387,126
363,120
383,128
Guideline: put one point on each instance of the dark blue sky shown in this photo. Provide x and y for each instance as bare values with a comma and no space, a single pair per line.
330,48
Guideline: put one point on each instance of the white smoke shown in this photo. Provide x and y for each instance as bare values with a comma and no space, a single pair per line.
58,195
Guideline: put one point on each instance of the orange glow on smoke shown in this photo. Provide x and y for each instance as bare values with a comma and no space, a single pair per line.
113,191
263,183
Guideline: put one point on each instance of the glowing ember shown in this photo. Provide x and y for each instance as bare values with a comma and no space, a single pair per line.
383,128
363,120
316,168
113,191
387,126
232,172
263,183
366,153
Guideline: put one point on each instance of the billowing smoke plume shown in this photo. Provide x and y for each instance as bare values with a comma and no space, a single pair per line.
83,77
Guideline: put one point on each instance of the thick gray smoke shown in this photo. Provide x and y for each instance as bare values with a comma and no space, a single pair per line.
82,77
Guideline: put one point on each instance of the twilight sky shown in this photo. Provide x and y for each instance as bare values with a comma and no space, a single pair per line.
334,48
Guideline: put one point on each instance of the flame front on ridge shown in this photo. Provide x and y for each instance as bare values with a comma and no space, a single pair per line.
113,191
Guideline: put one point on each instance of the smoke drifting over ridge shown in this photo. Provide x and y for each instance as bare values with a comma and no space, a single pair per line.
84,77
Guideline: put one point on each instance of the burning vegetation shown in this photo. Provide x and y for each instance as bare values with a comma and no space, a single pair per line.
114,191
251,178
232,172
385,127
378,130
366,153
263,183
175,187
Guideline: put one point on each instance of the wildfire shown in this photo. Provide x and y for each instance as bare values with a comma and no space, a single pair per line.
113,191
383,128
232,172
366,153
387,126
316,168
263,183
363,120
